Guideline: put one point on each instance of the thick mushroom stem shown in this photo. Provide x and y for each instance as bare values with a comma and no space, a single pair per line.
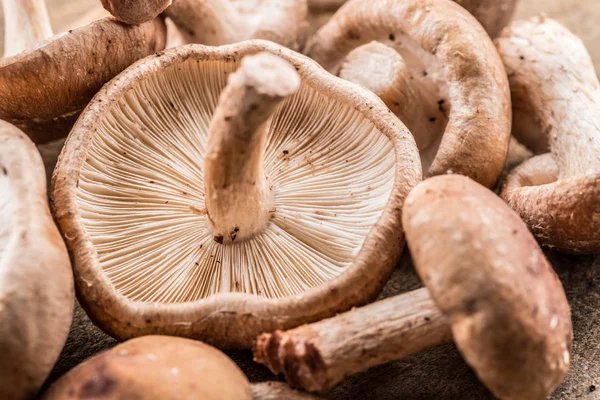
26,22
239,199
316,357
382,70
559,91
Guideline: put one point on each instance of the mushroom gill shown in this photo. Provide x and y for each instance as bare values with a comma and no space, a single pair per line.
141,191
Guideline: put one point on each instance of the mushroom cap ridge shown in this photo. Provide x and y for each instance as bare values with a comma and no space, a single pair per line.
228,319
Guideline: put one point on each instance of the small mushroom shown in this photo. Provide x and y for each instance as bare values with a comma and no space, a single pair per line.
44,87
219,22
164,368
436,41
216,205
135,11
554,84
492,14
489,287
36,282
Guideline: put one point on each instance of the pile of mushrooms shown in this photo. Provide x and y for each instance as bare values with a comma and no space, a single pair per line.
245,174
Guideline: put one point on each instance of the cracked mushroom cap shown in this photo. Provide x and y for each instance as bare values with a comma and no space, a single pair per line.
507,308
218,213
219,22
155,367
137,11
36,282
430,34
556,95
43,89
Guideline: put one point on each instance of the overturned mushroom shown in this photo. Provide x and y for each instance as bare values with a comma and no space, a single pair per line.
44,88
471,90
218,211
164,368
489,287
136,11
36,283
218,22
554,83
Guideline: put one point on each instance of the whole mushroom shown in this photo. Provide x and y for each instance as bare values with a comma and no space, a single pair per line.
36,282
164,368
206,198
488,285
47,83
469,91
135,11
556,95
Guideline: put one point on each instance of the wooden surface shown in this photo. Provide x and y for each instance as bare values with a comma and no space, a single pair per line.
438,373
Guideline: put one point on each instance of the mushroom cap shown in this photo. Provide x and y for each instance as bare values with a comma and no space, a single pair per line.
340,166
561,213
36,282
43,90
155,367
475,142
137,11
492,14
507,308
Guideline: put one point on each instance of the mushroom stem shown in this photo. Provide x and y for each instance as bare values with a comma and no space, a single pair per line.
239,199
382,70
318,356
208,22
26,22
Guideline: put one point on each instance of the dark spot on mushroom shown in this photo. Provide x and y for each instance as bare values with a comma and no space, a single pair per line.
432,119
353,35
392,37
514,231
195,262
286,152
148,320
253,107
228,118
218,239
171,104
471,307
521,57
98,386
70,30
441,105
200,245
151,181
233,235
167,202
4,170
427,319
592,388
425,73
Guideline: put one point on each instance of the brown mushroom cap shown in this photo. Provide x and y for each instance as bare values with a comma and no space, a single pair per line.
137,11
219,22
36,282
492,14
476,139
556,96
340,165
43,90
155,367
509,313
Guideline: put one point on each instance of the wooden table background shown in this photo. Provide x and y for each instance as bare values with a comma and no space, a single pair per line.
438,373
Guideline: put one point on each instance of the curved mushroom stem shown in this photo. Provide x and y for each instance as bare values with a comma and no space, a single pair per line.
382,70
317,356
208,22
560,91
278,391
26,22
239,199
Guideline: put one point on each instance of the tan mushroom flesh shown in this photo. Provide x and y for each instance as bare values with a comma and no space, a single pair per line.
469,92
136,11
45,87
219,22
36,282
492,14
554,84
488,285
215,210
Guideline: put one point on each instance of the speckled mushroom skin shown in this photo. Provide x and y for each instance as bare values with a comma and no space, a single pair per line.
232,319
36,282
508,310
137,11
492,14
556,97
476,139
42,91
154,368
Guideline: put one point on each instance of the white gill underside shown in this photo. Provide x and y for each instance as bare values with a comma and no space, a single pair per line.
5,214
141,192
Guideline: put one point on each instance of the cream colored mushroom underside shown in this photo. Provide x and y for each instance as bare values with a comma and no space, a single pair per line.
5,214
141,192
